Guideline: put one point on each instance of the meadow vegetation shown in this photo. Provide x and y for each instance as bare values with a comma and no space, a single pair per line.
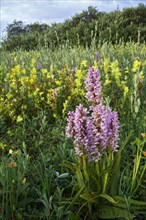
73,132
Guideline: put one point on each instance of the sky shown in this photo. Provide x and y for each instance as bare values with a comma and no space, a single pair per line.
50,11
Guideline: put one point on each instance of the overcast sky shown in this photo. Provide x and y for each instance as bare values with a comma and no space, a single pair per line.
49,11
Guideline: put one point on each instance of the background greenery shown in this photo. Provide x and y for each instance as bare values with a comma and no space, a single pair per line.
116,26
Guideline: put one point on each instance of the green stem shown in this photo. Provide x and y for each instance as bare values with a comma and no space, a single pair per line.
79,175
86,176
97,169
105,176
108,159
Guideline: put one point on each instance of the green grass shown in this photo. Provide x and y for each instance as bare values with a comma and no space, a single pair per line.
40,175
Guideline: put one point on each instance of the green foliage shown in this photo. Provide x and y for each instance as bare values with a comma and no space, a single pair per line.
13,183
98,186
40,176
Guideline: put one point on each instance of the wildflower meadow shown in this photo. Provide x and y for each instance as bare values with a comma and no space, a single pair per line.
73,133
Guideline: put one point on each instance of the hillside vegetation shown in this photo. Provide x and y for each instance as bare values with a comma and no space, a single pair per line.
84,28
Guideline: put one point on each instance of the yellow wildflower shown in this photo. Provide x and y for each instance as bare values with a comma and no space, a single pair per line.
23,71
41,93
44,71
79,74
17,68
126,89
84,63
141,75
106,65
57,82
143,135
19,118
107,82
33,71
136,65
50,75
33,61
24,180
10,151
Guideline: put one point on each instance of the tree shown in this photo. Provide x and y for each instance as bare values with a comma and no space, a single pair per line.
15,29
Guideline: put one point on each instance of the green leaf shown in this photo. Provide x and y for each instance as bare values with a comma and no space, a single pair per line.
76,197
136,109
79,177
134,205
72,216
70,166
111,212
92,197
115,175
22,188
109,198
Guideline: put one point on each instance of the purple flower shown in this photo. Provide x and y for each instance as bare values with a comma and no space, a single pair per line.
97,56
80,121
73,71
100,122
113,128
39,65
92,143
70,126
96,129
76,128
92,85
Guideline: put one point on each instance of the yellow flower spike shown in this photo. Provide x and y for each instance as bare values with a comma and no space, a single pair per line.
94,67
13,70
50,91
19,118
41,93
136,65
32,79
107,82
10,151
141,75
143,135
126,89
33,61
17,68
57,82
9,95
33,71
106,64
79,73
127,70
44,71
37,90
50,75
2,146
24,180
23,71
84,63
